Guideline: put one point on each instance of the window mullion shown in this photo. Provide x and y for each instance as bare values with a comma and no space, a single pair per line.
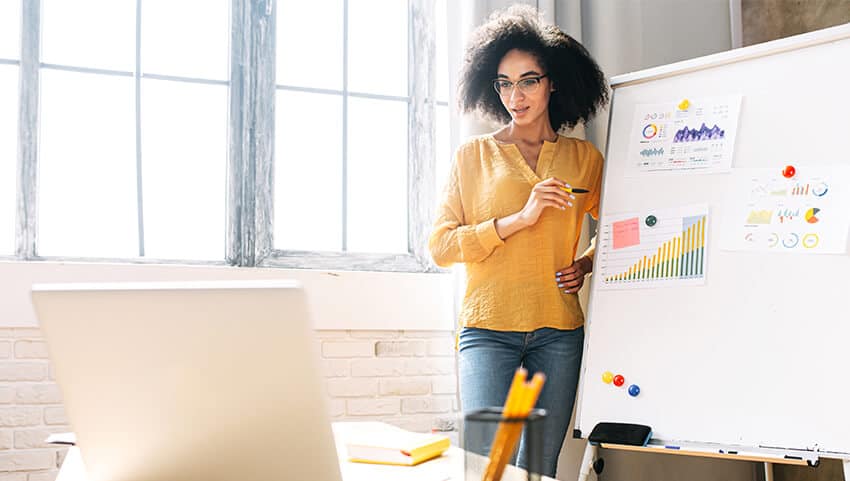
137,77
27,170
233,222
263,37
344,186
421,127
251,132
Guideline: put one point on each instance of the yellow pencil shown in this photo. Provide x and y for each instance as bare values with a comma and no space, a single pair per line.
521,400
514,392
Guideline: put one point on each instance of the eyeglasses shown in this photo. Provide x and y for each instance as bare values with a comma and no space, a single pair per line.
526,85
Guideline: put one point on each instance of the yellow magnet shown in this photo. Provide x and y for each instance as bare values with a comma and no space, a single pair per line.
684,104
607,377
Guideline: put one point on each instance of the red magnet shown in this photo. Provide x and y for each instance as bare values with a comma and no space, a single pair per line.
789,171
619,380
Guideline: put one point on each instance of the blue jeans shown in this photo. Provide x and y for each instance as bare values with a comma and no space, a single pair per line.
487,362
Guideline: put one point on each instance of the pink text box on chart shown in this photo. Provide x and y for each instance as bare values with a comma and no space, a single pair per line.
626,233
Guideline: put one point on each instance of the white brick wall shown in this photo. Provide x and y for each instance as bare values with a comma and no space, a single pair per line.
30,408
405,378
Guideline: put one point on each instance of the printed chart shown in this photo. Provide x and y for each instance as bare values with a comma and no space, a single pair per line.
806,214
664,247
692,135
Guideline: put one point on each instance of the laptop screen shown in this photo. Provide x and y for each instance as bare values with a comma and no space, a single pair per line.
192,381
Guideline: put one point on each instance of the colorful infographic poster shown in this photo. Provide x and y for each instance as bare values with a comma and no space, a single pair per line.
657,248
695,136
806,214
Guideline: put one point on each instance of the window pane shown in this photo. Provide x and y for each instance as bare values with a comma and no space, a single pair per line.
308,172
444,153
87,166
377,46
89,33
8,155
309,43
377,176
189,38
184,162
441,32
10,29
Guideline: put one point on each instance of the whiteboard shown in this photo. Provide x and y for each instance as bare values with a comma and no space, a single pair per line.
758,354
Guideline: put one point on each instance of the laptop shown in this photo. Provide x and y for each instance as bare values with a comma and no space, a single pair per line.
200,381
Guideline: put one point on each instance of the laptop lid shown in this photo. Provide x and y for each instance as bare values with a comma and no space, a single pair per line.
189,381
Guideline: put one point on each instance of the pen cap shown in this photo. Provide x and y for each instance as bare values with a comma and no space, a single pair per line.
487,436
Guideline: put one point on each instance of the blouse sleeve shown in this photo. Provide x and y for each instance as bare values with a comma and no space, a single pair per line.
452,239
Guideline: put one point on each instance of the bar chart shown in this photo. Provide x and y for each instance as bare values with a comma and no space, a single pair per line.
653,249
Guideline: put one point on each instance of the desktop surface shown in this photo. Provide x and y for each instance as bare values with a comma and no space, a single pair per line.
449,467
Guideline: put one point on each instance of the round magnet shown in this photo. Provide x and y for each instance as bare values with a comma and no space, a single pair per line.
789,171
651,220
634,390
607,377
619,380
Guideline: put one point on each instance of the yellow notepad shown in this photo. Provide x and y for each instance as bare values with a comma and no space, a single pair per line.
395,447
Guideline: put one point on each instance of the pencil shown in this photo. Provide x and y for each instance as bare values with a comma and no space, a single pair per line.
521,400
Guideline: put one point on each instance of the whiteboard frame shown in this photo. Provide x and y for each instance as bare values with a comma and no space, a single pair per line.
796,42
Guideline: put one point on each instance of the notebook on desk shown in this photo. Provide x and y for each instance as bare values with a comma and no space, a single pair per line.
212,381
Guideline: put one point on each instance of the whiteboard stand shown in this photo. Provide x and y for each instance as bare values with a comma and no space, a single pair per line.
590,457
847,469
768,471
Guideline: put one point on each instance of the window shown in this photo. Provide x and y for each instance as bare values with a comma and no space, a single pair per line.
344,166
132,129
9,53
155,126
184,103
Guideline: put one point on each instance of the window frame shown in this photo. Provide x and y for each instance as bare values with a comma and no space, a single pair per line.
421,157
250,144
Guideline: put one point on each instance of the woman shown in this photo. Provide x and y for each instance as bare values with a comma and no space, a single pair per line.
507,214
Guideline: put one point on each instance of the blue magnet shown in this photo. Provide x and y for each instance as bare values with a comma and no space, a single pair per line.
651,220
634,390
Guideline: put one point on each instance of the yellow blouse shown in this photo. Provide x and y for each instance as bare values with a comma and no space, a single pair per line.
511,283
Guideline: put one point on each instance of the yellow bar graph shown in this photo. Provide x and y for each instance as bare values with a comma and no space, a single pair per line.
681,256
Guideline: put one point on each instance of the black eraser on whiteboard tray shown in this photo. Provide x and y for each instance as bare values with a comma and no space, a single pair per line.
620,433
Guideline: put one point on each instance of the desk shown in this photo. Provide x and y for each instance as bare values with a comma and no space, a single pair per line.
448,467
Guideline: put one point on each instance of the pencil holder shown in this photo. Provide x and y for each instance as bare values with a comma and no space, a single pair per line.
492,442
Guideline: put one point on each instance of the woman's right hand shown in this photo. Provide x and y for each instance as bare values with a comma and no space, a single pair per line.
548,193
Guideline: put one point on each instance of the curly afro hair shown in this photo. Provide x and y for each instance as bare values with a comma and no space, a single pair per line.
580,86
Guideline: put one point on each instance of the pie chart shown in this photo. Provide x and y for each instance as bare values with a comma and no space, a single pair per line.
811,215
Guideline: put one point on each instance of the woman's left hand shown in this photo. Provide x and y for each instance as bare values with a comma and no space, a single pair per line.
570,279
